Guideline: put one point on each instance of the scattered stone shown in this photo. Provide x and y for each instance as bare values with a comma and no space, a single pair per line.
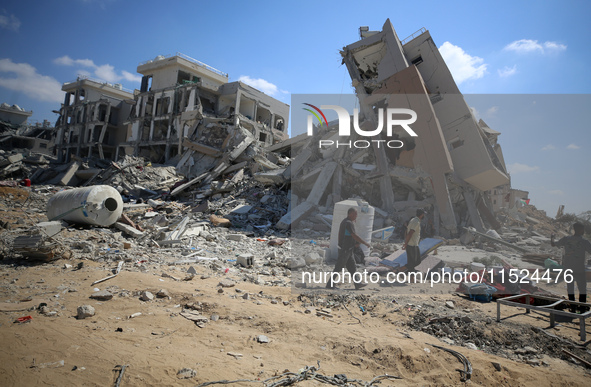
525,351
296,263
162,293
85,311
235,355
262,339
234,237
214,317
471,346
497,366
102,295
191,270
313,258
227,283
186,373
447,340
146,296
450,304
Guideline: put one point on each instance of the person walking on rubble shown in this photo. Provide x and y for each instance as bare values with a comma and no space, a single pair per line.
411,241
347,241
575,247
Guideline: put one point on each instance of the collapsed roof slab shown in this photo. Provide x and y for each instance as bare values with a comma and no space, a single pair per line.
379,55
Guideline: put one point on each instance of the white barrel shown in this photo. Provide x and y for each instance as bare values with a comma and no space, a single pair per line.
363,224
99,205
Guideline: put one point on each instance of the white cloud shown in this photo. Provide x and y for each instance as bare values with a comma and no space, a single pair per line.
507,71
67,61
548,147
131,77
462,65
9,22
573,146
475,113
262,85
27,80
107,72
104,72
525,46
492,111
521,168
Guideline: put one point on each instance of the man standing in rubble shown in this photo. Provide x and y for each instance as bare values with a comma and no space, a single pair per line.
575,247
346,242
411,241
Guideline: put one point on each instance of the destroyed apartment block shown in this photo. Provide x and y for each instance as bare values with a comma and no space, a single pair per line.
91,119
449,168
22,146
187,113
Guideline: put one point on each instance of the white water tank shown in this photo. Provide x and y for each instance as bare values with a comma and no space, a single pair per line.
99,205
363,224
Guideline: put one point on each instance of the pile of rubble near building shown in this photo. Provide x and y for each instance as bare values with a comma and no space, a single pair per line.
224,153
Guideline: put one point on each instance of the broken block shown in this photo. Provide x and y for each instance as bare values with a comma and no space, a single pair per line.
241,209
234,237
128,230
68,176
245,260
313,258
295,215
271,177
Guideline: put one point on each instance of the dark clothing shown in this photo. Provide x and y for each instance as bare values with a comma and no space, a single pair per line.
346,246
345,260
575,247
413,257
346,231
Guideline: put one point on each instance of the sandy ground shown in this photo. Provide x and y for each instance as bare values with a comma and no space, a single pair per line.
160,342
60,350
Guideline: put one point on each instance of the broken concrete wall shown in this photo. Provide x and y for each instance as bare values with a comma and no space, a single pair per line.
466,146
91,121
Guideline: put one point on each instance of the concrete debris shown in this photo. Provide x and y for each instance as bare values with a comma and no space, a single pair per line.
102,295
85,311
186,373
146,296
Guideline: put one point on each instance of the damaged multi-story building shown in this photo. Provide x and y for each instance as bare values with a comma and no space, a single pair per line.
188,113
91,121
449,167
17,133
185,113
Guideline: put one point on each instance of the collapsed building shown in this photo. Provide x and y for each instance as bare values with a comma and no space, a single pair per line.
185,113
449,167
91,119
17,133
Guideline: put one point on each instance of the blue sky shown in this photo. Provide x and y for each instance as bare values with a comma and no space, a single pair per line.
500,47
